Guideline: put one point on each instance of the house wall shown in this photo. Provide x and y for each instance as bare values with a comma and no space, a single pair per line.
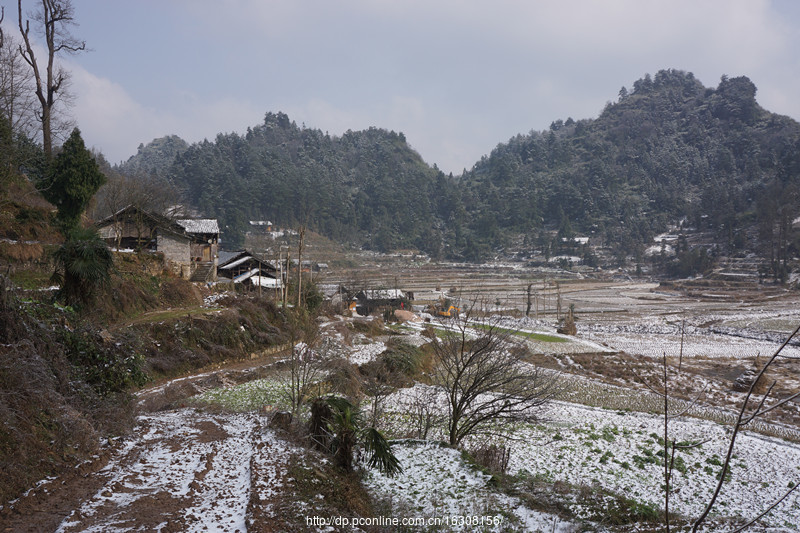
108,232
125,229
176,253
204,252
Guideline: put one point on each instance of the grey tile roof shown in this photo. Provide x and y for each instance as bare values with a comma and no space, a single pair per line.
199,225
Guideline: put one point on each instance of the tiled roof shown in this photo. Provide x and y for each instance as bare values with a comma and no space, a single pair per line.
236,263
199,225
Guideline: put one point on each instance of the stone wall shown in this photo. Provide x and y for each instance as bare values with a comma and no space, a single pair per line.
176,253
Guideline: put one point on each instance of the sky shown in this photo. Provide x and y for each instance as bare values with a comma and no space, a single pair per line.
457,77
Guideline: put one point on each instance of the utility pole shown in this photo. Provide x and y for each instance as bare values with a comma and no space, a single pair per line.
558,301
300,266
286,284
279,272
528,301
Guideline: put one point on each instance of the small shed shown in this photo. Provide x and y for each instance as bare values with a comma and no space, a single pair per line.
244,267
370,300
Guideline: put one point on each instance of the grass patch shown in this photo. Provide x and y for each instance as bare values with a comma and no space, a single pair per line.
541,337
31,279
171,314
250,396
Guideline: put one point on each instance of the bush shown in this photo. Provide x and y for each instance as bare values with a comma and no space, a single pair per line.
179,292
107,369
402,357
83,265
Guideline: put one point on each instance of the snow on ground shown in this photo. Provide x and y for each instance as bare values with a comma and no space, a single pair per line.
364,353
436,483
620,452
185,469
543,338
615,450
211,299
655,338
256,395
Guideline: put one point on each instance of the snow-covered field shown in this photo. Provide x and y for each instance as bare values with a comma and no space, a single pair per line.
364,353
438,485
621,452
709,346
187,471
655,337
616,451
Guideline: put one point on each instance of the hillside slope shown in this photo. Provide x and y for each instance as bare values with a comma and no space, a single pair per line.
669,150
367,186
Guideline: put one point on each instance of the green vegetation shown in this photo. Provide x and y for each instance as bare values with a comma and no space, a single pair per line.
251,396
368,182
71,181
669,149
338,427
540,337
83,266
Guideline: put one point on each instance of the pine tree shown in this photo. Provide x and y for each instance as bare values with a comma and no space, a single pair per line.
72,180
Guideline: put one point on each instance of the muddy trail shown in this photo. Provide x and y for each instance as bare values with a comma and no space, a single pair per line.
180,469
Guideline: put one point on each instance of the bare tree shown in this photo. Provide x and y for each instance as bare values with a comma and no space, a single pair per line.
17,98
751,409
486,379
300,267
424,410
670,446
307,363
53,21
144,191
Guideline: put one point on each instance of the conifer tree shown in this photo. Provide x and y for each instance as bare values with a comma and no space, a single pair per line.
73,178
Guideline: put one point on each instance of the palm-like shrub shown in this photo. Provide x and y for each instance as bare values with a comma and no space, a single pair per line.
83,265
338,427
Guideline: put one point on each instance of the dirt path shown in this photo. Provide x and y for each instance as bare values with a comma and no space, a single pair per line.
187,470
181,469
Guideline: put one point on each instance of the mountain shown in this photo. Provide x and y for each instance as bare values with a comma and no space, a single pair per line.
668,151
368,187
155,157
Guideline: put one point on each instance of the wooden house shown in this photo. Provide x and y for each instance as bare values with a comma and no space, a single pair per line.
189,246
244,267
371,300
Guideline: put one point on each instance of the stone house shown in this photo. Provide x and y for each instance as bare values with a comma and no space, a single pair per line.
190,246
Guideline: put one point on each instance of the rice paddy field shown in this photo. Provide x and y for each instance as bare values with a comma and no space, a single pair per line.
599,447
594,460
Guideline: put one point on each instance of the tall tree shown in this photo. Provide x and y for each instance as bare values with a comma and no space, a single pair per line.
17,99
53,21
72,180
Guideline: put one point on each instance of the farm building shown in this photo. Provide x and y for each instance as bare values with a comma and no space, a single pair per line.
244,267
189,246
370,300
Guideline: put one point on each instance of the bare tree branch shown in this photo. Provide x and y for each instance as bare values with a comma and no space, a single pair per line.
486,379
53,19
740,422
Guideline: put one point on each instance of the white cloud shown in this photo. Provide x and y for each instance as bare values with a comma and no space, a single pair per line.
456,76
114,123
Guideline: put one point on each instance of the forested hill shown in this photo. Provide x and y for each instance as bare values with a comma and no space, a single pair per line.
669,149
363,187
155,157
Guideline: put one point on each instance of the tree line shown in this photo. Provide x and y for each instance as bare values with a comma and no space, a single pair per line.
668,151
